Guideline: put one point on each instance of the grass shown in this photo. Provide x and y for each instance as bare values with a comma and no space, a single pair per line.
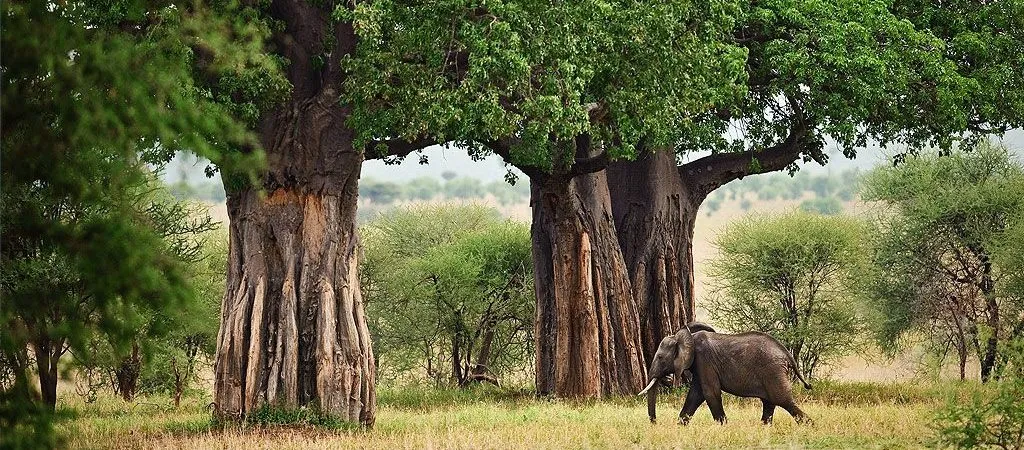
846,415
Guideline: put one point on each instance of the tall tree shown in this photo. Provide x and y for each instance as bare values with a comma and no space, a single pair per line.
557,90
91,91
293,328
946,252
816,71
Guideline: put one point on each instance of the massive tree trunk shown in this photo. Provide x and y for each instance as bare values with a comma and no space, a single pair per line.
587,329
654,216
293,329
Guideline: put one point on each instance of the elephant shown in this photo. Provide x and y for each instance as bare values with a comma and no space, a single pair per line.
751,364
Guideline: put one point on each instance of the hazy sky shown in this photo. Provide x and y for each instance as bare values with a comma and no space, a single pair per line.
492,168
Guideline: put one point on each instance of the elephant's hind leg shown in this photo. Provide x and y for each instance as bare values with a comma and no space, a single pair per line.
694,398
767,411
796,412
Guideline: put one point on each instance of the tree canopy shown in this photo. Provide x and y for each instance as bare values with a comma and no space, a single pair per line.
529,78
946,251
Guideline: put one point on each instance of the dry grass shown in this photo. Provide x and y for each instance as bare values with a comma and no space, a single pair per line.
845,416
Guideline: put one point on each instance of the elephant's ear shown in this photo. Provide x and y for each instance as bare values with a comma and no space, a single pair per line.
684,356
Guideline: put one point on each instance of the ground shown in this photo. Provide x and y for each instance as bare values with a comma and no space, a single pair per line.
848,415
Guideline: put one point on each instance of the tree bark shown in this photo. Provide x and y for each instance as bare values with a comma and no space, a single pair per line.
48,353
654,216
587,328
293,328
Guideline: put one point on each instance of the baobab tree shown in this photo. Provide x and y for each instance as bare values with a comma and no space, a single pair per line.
558,90
293,328
815,72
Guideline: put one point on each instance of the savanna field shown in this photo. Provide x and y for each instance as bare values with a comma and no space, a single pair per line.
846,415
380,224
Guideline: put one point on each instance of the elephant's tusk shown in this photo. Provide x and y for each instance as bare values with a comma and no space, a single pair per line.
649,386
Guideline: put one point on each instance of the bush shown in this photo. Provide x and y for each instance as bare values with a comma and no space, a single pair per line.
449,294
795,277
828,206
991,418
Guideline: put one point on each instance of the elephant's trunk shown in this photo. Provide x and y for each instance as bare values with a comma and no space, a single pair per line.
652,400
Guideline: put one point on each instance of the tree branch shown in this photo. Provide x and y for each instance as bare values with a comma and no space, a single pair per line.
503,148
396,148
589,165
708,173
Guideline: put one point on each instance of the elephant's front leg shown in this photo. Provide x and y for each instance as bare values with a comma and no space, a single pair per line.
713,394
694,398
767,411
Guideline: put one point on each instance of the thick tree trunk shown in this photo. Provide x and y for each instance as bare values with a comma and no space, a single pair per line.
587,329
654,216
293,328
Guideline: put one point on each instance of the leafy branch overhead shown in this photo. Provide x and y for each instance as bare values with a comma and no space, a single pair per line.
526,79
530,78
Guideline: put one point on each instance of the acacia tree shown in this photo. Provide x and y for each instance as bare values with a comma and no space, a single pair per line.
557,90
795,276
946,252
449,293
915,73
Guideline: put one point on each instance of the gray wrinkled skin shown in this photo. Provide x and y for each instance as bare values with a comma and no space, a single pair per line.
748,364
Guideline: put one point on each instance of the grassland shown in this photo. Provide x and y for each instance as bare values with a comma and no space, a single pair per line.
849,415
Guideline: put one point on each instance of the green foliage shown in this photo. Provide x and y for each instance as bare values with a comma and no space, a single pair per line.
987,40
828,206
992,418
91,92
439,282
175,359
946,251
26,422
535,71
793,276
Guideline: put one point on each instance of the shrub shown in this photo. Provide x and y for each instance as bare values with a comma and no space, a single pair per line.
991,418
793,276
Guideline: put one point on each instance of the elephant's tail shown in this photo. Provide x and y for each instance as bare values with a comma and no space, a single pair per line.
796,371
802,380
